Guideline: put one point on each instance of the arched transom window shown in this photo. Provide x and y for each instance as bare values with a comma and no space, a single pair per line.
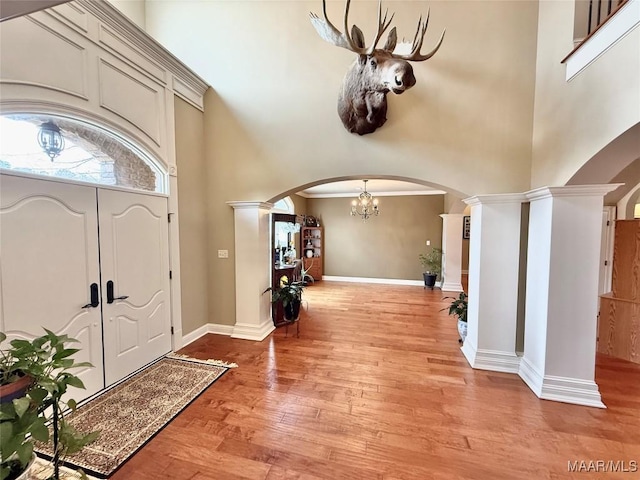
61,147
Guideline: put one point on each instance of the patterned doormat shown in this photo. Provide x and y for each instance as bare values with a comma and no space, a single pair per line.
130,414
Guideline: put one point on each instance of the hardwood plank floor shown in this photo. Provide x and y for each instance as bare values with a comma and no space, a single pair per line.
376,388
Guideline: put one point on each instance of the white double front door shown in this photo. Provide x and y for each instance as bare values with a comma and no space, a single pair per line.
88,262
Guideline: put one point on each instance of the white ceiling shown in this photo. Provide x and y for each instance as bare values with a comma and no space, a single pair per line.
379,187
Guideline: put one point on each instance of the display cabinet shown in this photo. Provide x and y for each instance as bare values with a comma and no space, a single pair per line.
312,251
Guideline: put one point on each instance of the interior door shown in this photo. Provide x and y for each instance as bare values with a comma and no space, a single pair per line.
48,261
134,250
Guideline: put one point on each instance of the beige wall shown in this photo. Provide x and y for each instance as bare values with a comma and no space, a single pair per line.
132,9
271,126
574,120
192,212
299,204
386,246
465,126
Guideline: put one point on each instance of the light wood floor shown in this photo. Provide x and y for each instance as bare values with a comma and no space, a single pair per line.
376,388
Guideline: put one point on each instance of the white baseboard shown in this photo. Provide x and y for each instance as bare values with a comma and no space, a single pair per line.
216,328
469,352
496,361
249,331
531,376
571,390
560,389
389,281
452,287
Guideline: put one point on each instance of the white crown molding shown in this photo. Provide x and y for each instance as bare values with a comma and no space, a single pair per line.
238,205
496,198
142,41
572,191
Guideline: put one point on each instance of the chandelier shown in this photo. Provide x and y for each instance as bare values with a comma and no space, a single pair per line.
50,139
365,206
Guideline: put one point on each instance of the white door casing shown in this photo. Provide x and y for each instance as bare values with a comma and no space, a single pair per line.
134,249
48,260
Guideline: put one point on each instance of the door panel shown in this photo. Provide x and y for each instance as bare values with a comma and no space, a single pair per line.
48,259
134,250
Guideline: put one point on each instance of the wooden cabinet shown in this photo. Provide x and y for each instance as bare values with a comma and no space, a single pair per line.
284,234
312,251
619,322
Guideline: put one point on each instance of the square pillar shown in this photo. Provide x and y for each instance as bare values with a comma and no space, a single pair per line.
494,264
452,252
565,228
253,267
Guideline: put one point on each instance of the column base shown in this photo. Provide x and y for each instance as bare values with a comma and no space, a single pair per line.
560,389
452,287
493,360
249,331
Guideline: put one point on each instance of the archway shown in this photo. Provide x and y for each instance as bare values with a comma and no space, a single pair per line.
252,252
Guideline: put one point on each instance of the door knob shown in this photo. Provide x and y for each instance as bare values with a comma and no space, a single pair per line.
110,297
95,299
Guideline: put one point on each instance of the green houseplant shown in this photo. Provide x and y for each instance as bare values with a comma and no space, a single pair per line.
458,309
432,266
47,361
289,293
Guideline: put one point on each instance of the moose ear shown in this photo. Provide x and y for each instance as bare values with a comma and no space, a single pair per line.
357,36
392,39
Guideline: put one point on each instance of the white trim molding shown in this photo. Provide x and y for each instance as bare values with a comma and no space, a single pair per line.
249,331
388,281
617,27
493,360
215,328
572,191
560,389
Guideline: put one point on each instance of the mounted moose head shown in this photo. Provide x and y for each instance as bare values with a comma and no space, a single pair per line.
362,104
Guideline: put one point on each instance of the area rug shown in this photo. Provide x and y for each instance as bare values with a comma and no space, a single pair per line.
130,414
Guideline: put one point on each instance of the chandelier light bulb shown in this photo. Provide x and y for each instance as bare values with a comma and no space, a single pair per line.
365,206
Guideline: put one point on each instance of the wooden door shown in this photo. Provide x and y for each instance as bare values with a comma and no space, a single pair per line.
134,249
48,260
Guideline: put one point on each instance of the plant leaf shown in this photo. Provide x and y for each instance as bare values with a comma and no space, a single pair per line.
21,405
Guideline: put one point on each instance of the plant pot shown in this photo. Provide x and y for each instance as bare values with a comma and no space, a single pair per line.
462,330
26,474
15,389
292,310
429,280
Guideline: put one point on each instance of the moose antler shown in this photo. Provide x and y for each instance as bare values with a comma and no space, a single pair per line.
354,41
415,55
331,34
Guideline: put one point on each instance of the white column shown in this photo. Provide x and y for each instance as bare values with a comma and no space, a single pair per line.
252,261
494,262
562,293
452,252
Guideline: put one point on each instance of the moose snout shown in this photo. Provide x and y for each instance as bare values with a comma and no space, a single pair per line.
403,81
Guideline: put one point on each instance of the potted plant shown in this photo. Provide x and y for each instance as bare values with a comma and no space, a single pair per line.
432,265
48,361
290,295
458,308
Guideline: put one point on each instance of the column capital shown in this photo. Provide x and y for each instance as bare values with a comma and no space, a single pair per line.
451,215
496,198
237,205
572,191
